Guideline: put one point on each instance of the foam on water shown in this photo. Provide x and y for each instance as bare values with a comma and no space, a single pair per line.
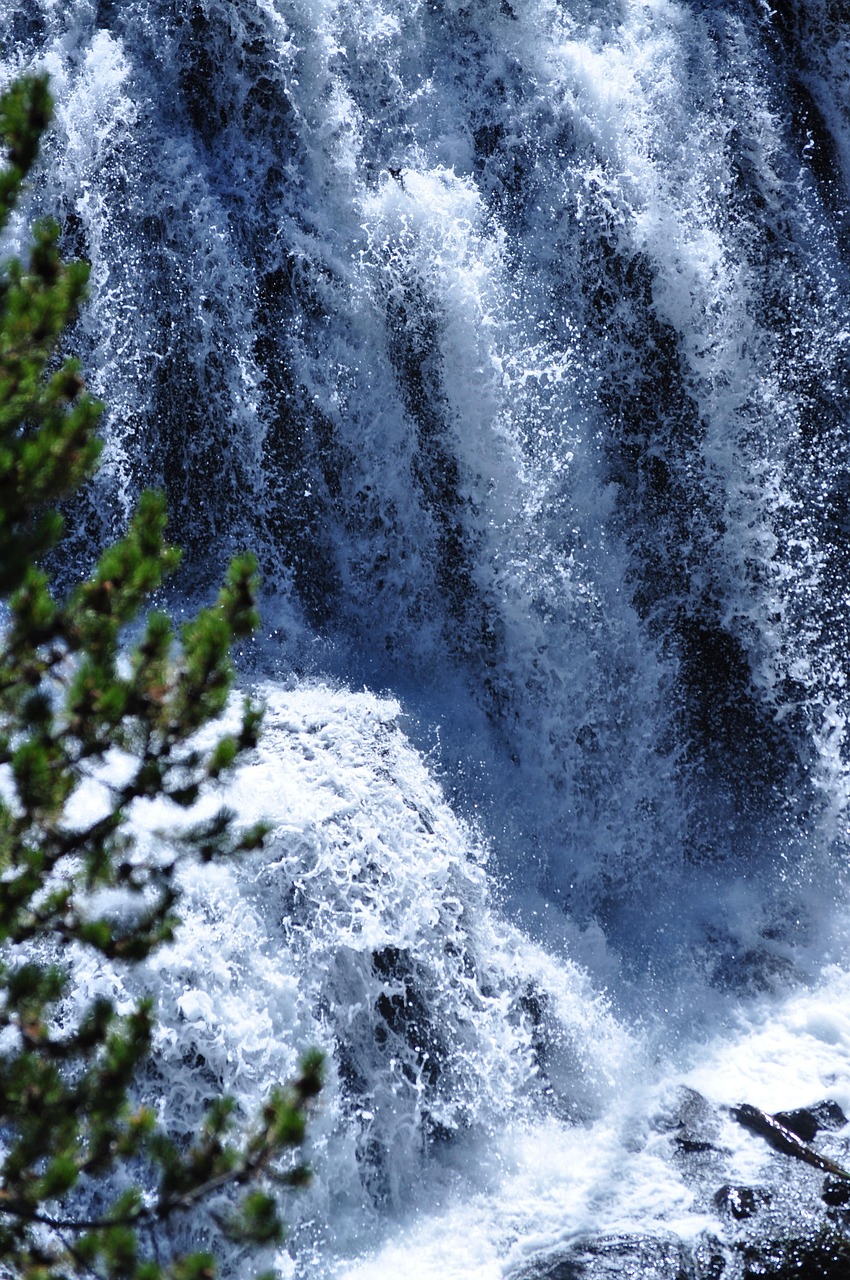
514,337
484,1107
364,927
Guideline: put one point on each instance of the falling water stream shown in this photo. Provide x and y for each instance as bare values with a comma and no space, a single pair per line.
514,336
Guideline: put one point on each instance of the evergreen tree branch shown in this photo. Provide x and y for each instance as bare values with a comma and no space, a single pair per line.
73,693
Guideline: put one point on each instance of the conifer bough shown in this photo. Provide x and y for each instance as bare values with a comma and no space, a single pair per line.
70,694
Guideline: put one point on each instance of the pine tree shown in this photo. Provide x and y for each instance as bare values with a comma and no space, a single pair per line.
74,691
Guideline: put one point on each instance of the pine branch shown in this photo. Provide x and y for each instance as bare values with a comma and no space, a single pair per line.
72,690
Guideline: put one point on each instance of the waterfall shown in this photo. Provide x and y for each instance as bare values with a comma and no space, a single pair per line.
514,338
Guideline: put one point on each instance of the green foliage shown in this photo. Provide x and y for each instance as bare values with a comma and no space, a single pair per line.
74,692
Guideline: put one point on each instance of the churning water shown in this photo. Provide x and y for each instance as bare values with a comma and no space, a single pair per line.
514,336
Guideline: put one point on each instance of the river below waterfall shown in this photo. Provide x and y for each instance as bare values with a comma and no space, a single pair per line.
514,337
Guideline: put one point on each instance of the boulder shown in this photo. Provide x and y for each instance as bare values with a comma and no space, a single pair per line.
618,1258
806,1122
825,1256
742,1202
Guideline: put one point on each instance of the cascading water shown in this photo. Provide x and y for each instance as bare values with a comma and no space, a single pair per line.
514,337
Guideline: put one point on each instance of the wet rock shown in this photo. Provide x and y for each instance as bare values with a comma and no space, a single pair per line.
825,1256
806,1122
800,1122
836,1192
775,1230
693,1123
742,1202
711,1258
829,1115
619,1258
782,1139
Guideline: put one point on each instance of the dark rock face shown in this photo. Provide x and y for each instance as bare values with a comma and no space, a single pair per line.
742,1202
822,1256
806,1122
836,1192
825,1256
618,1258
783,1139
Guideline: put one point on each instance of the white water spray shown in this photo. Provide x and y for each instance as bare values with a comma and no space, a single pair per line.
514,338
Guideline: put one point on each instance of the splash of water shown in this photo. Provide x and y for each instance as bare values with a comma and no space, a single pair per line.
515,339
